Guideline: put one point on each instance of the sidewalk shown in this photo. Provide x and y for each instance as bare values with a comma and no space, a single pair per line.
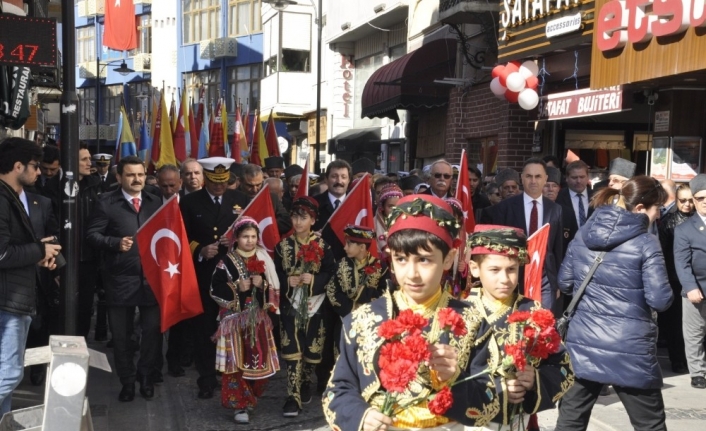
175,406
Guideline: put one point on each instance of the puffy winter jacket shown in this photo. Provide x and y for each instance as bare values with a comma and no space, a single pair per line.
612,338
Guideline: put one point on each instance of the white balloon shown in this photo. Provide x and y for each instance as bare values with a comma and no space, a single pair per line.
529,68
497,88
515,82
528,99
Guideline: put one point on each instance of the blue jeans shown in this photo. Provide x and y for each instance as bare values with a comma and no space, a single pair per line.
13,337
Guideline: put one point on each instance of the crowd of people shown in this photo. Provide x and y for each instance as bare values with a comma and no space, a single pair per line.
625,248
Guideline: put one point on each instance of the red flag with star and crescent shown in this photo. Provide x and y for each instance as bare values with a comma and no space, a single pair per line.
536,251
356,209
168,265
262,210
120,31
463,194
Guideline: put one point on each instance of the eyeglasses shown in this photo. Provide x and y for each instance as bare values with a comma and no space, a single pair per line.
699,198
35,165
687,200
439,175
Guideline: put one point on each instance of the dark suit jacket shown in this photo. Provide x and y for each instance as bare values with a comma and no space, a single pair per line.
690,254
109,181
112,219
570,226
511,212
428,192
205,224
42,216
325,212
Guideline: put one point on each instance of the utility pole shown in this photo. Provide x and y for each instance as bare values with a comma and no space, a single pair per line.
69,162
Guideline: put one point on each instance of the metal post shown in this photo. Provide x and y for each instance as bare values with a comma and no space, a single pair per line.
317,163
69,182
97,104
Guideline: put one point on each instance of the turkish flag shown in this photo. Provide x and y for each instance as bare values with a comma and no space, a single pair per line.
271,137
356,209
120,31
262,210
536,250
168,266
463,194
303,189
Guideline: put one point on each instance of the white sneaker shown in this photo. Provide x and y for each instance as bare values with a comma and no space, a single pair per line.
241,417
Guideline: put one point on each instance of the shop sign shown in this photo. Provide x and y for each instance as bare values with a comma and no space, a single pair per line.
620,22
563,25
662,121
582,103
311,132
515,12
346,67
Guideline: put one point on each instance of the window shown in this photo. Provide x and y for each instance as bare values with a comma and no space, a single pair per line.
144,35
364,69
86,105
110,103
244,86
201,20
287,43
139,100
85,44
244,17
210,80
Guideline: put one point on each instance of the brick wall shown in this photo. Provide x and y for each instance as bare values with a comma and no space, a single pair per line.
479,114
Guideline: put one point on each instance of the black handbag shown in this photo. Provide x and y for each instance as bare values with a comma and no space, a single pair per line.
562,324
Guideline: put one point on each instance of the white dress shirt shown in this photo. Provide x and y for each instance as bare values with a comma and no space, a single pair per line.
333,198
129,198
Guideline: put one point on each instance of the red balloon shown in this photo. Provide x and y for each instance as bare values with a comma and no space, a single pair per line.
512,96
516,64
532,82
504,74
497,70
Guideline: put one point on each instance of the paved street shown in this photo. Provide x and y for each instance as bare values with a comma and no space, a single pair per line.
176,408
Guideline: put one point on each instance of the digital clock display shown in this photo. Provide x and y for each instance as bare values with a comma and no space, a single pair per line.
27,41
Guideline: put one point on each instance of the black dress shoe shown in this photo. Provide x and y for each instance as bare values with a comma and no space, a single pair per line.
176,371
157,377
127,393
698,382
100,335
679,368
37,374
146,387
205,393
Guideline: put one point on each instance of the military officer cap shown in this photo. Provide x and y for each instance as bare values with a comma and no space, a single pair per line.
363,165
553,175
216,169
274,162
293,170
359,234
622,167
102,159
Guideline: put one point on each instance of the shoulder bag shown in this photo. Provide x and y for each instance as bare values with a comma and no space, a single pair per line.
562,325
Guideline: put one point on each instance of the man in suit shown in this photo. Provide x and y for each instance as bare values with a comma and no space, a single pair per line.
529,211
690,262
113,224
208,213
168,181
338,177
251,182
441,175
574,200
107,179
191,177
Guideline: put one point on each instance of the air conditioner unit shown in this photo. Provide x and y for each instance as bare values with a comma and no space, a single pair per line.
87,70
142,63
206,49
95,7
225,47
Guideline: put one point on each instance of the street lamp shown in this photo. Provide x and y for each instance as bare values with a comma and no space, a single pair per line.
280,5
124,71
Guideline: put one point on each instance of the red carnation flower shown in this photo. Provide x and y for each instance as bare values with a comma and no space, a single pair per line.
397,375
390,329
442,402
518,317
451,321
543,318
256,266
416,349
413,322
547,342
389,353
517,351
370,270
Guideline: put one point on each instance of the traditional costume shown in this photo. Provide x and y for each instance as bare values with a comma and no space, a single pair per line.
554,375
302,327
246,352
356,282
355,386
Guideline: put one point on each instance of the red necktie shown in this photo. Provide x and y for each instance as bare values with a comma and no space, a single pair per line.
534,216
136,204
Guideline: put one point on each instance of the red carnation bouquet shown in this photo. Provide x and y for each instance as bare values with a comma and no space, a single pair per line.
537,339
369,271
405,351
310,255
255,266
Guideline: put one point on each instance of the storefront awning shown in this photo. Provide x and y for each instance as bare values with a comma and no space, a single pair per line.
408,82
355,140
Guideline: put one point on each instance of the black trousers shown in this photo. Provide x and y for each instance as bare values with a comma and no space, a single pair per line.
87,275
121,324
180,344
205,325
645,407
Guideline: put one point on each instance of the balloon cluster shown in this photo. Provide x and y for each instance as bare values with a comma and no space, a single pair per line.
517,82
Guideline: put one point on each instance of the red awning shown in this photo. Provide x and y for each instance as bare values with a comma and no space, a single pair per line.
408,82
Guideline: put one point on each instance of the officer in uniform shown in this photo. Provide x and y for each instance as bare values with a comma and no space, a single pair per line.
208,213
103,171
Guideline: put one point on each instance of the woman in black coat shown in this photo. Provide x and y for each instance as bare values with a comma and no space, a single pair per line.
612,338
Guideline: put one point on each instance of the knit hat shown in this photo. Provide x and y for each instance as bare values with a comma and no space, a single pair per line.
622,167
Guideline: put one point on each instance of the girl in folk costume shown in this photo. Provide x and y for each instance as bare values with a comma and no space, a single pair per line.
360,277
304,264
404,336
389,196
513,330
245,286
